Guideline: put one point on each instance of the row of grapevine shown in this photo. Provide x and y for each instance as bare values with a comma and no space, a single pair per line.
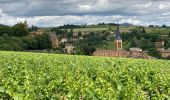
31,76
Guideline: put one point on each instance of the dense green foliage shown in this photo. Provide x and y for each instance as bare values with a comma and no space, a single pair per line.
25,43
11,43
17,30
46,76
91,42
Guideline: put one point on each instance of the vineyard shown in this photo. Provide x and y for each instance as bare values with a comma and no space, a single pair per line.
31,76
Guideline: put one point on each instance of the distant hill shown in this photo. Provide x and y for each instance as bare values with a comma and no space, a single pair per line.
126,24
2,25
123,24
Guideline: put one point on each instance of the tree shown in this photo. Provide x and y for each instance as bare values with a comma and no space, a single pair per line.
143,30
70,34
135,42
167,44
11,43
33,28
153,52
88,50
43,41
151,25
19,30
31,43
164,26
5,30
79,33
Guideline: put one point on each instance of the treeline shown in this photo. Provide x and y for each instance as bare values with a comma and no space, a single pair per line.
17,30
68,26
17,38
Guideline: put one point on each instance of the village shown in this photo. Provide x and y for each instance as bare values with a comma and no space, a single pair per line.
68,45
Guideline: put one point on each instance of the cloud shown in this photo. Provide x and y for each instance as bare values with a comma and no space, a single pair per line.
59,12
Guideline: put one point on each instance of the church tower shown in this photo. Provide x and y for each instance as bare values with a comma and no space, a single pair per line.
118,39
54,40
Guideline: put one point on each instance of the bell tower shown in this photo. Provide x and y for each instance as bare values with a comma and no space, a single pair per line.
118,39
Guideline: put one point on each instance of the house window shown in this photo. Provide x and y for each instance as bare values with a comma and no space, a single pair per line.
119,44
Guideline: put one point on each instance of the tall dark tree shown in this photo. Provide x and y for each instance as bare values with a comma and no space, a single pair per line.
143,30
33,28
79,33
70,34
164,26
43,41
19,30
169,34
153,52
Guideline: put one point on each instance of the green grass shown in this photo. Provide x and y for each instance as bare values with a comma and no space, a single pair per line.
88,29
122,29
158,30
31,76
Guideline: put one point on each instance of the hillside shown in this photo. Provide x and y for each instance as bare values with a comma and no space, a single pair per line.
48,76
123,28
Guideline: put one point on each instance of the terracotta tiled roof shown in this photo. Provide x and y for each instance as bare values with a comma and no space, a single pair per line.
165,51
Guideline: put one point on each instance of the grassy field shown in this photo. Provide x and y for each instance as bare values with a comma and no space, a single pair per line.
122,29
158,30
37,76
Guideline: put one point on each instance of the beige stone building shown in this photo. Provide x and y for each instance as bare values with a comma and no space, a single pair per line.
138,54
54,40
75,34
64,40
38,32
159,44
69,48
165,53
74,40
160,47
135,49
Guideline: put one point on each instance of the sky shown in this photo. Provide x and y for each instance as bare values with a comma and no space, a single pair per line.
52,13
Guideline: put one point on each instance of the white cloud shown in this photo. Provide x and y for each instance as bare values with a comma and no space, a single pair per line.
164,5
84,7
133,21
59,12
142,6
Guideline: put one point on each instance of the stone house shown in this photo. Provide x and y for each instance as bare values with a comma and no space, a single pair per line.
75,34
164,53
38,32
135,49
69,48
54,40
81,38
64,40
74,40
136,54
160,47
159,44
